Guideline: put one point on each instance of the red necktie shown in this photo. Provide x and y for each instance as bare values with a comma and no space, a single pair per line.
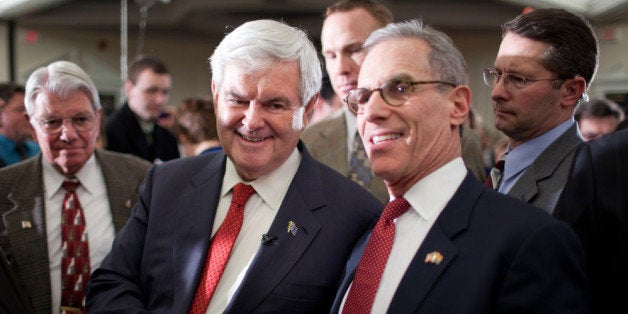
220,248
373,261
75,267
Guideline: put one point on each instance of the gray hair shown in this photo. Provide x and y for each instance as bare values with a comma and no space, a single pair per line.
60,78
445,59
259,44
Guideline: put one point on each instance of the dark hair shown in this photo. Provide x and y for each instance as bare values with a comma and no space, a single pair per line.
598,108
573,47
377,10
195,120
143,63
7,90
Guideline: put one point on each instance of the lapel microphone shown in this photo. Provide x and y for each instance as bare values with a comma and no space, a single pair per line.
268,238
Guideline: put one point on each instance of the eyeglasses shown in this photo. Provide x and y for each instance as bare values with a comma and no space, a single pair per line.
492,76
81,123
394,93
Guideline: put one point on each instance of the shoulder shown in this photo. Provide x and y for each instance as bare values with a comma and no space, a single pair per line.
327,126
336,189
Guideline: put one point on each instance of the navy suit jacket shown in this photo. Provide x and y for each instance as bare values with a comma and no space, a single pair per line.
499,256
158,258
595,203
125,135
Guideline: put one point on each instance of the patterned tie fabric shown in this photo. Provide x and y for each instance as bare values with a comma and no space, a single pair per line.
494,179
220,248
359,165
369,272
75,267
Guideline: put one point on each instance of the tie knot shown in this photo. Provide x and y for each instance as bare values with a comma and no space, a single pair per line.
241,193
70,185
395,209
500,165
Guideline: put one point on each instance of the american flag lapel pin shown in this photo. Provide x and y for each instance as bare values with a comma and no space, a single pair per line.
292,228
433,258
26,224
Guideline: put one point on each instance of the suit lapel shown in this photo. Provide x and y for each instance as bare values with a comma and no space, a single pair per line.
275,259
121,194
194,221
526,188
421,276
26,230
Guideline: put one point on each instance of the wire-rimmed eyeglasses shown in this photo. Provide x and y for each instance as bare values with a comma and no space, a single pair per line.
492,76
81,123
394,93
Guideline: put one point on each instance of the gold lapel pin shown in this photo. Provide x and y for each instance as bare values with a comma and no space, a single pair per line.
26,224
292,228
128,204
433,258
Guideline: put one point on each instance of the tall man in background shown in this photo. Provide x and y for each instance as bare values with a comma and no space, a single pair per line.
545,63
133,129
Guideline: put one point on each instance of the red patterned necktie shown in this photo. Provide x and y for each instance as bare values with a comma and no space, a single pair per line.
75,267
369,272
220,248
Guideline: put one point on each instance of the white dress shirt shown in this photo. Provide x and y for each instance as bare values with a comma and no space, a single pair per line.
427,199
92,194
259,212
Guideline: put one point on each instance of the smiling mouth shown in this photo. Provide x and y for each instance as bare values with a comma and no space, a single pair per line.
387,137
253,139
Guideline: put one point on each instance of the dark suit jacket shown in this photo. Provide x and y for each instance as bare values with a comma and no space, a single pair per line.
499,256
543,182
595,203
23,225
125,135
158,257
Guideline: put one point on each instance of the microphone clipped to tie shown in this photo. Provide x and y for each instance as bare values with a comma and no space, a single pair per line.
268,238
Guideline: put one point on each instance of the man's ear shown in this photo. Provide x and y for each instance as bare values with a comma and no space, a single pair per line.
308,109
460,97
571,90
127,87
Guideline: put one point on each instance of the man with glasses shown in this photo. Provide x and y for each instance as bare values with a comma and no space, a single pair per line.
64,111
545,63
445,243
334,141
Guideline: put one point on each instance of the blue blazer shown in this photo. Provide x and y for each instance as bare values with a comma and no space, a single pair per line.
158,257
499,256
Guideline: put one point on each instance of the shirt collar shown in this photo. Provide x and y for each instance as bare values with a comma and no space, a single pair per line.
431,194
526,153
53,179
271,187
